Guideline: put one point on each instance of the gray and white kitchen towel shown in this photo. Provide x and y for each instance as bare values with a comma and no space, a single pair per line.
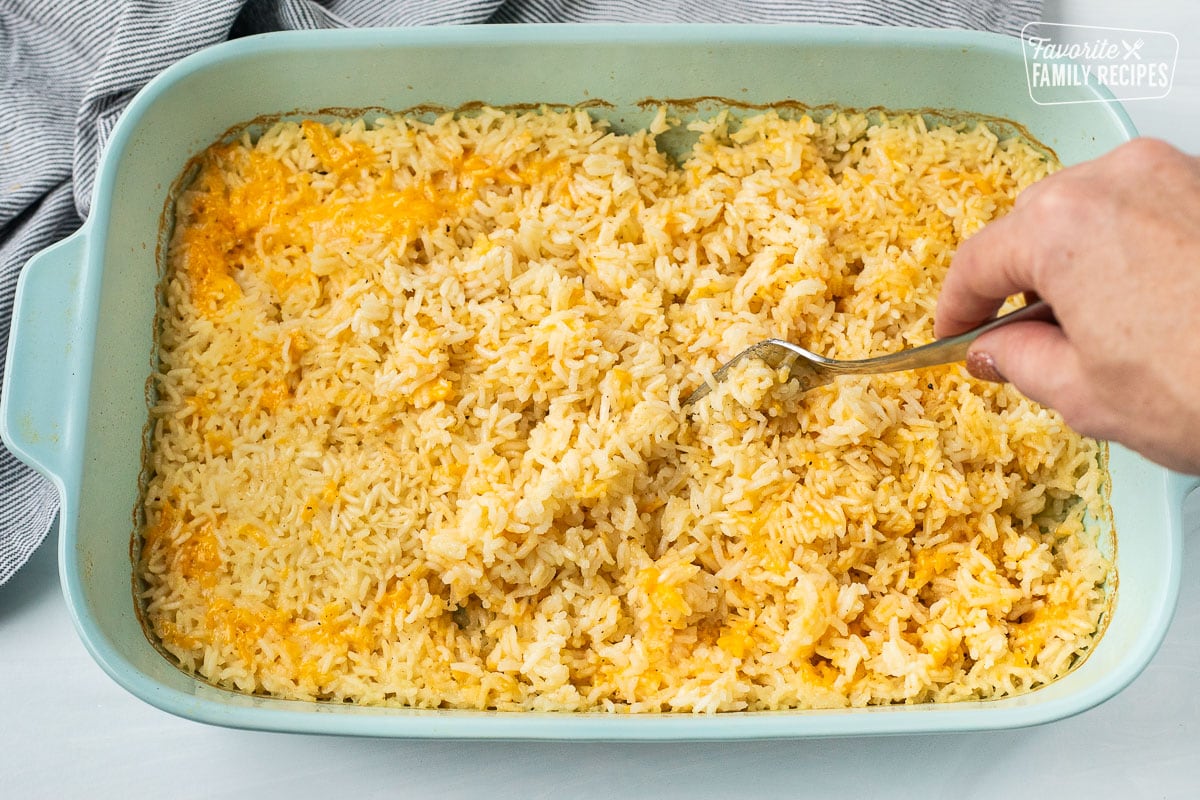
69,67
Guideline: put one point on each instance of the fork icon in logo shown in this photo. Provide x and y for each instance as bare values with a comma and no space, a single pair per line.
1132,49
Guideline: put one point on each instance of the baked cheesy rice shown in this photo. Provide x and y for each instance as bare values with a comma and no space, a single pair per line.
417,436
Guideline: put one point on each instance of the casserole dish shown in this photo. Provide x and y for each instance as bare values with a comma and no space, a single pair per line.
82,337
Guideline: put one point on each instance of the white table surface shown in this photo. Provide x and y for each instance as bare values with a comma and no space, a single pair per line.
66,730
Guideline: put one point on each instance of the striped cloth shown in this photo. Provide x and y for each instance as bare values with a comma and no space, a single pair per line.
68,69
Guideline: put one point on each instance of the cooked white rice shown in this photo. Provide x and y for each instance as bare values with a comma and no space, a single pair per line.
418,439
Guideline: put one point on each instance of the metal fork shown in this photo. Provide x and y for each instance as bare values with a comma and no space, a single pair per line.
812,370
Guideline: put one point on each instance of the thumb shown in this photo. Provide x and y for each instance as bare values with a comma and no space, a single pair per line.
1036,358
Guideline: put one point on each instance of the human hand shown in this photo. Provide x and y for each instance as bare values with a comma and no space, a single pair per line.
1113,245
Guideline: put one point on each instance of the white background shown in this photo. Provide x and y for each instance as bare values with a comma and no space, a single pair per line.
66,730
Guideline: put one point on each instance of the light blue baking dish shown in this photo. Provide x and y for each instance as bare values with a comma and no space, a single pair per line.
80,351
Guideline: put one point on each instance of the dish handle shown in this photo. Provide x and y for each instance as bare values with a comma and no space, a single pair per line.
39,413
1180,486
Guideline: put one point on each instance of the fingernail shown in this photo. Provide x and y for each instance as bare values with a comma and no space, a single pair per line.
983,366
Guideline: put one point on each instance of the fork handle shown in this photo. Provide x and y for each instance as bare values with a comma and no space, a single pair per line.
943,351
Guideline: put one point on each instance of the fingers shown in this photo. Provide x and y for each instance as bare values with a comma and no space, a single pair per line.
1039,360
1052,220
993,264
